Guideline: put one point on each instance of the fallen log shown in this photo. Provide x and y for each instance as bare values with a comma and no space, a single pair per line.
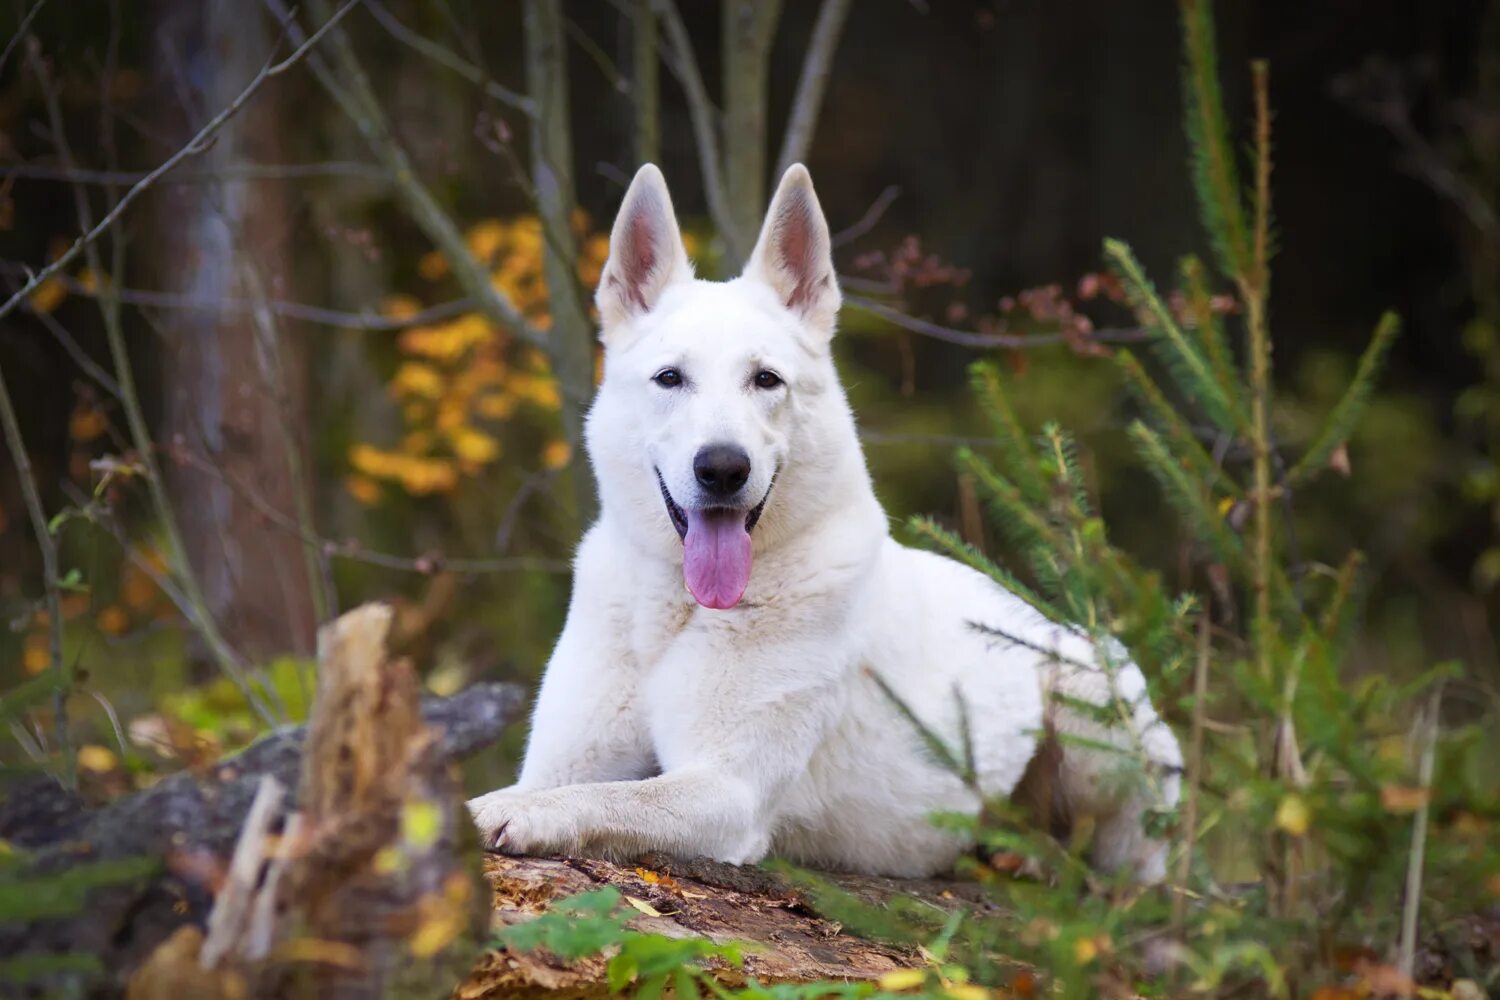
379,751
788,936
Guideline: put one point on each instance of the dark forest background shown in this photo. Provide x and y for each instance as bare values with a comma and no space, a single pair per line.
970,154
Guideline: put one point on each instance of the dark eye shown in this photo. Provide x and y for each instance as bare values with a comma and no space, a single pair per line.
668,378
767,379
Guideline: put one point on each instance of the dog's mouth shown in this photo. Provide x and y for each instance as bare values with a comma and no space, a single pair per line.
716,552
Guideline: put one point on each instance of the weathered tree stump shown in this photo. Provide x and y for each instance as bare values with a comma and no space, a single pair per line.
371,772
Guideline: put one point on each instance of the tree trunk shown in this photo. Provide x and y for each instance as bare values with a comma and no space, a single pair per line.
646,89
570,339
749,29
235,393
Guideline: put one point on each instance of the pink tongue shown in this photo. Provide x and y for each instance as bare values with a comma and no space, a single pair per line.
716,557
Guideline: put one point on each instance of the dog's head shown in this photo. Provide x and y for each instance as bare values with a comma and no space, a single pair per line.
712,391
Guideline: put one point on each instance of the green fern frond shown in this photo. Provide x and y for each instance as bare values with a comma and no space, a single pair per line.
1215,177
1018,520
1062,453
1187,496
1188,366
954,546
1011,441
1168,419
1209,329
1340,423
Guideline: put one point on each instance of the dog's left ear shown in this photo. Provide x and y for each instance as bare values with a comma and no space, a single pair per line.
794,254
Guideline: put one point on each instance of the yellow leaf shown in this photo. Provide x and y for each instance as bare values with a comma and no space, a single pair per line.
435,934
447,680
363,489
474,446
36,654
966,992
89,280
1085,951
643,906
336,953
421,823
137,590
432,266
1293,815
1225,506
484,238
649,877
100,760
898,980
388,861
416,379
493,406
556,454
87,423
1403,800
48,295
113,620
399,307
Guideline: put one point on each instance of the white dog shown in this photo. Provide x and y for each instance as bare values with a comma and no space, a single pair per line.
712,691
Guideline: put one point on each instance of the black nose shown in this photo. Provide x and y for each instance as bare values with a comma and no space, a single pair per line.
721,469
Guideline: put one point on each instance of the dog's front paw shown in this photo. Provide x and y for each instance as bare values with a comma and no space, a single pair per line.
517,822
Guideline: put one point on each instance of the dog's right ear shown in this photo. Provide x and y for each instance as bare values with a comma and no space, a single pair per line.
646,254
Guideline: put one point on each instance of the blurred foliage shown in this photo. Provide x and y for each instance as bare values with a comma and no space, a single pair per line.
458,375
445,441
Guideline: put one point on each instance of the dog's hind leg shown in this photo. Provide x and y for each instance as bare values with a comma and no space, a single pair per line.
1122,767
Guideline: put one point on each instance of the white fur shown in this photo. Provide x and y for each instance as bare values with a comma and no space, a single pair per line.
664,725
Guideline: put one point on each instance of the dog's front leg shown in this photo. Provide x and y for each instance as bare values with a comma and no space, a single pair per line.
692,811
734,727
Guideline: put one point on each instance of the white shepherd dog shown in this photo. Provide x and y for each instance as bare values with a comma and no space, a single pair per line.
711,693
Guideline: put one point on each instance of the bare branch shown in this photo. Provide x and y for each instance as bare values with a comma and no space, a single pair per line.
967,338
21,31
646,87
570,346
816,67
50,579
356,97
747,32
703,115
355,551
74,350
869,220
230,172
446,57
155,299
194,147
228,658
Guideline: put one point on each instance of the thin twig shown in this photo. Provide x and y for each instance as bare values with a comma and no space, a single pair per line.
447,58
646,87
703,116
355,95
74,350
228,659
302,312
232,171
1411,906
816,67
868,221
48,546
194,147
356,552
1194,775
967,338
21,31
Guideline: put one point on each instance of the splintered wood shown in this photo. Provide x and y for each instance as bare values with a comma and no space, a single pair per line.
362,892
